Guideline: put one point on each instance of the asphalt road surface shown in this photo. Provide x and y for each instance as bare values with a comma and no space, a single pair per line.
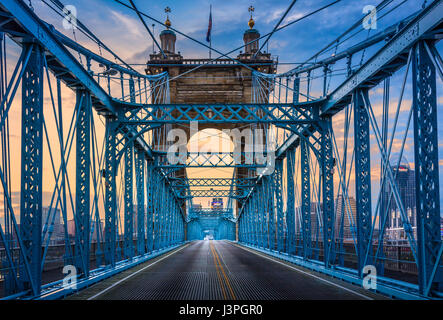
221,270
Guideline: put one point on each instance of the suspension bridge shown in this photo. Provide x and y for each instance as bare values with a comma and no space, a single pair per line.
315,194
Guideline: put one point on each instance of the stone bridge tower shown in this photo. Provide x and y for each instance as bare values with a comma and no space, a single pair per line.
214,82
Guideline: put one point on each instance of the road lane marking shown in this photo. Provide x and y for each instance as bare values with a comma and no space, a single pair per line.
307,273
224,274
133,274
218,273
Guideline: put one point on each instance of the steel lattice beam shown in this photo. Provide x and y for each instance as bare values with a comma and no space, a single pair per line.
140,185
387,60
327,166
186,193
28,24
279,114
129,202
150,207
305,199
82,185
362,179
201,159
290,201
110,173
31,170
213,182
278,181
426,170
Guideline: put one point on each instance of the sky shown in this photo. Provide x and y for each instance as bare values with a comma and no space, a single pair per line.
120,29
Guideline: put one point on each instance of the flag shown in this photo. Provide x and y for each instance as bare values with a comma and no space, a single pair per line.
208,34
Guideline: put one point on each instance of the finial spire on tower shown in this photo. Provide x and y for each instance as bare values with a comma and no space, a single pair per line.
167,22
251,21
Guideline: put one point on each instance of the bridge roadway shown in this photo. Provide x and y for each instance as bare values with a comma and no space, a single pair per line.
220,270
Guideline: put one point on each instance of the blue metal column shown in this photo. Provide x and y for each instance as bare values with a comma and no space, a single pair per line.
362,179
254,219
240,229
31,170
249,221
82,187
426,170
243,224
296,92
174,223
290,204
168,218
305,198
110,173
162,201
150,207
263,216
129,200
270,193
278,181
168,221
140,185
155,217
328,193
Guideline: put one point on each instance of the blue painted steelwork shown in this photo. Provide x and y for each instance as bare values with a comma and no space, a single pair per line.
429,241
31,171
327,172
110,173
276,113
186,193
305,199
140,185
278,185
290,201
213,223
362,180
129,202
200,159
82,195
150,207
261,221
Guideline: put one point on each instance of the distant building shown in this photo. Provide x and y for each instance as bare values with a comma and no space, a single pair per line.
71,228
316,210
405,180
51,224
54,215
347,212
217,204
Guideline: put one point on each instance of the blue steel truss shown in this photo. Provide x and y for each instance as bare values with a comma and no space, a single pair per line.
289,210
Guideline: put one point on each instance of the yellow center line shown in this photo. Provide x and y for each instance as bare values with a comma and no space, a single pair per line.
224,274
218,272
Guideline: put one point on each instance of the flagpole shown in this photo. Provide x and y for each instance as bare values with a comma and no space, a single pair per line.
210,38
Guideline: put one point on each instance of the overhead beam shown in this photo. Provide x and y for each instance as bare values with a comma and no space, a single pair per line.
276,113
213,182
387,60
31,24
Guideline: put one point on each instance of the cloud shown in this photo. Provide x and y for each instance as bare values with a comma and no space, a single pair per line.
131,25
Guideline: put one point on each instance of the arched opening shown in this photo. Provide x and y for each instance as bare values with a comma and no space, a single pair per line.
210,141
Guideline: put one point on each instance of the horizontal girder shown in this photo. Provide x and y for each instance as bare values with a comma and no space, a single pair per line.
276,113
186,193
213,182
219,159
26,26
387,60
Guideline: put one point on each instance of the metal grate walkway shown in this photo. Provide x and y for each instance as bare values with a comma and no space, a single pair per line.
220,270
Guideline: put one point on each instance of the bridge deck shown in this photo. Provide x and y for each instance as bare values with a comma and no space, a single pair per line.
220,270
